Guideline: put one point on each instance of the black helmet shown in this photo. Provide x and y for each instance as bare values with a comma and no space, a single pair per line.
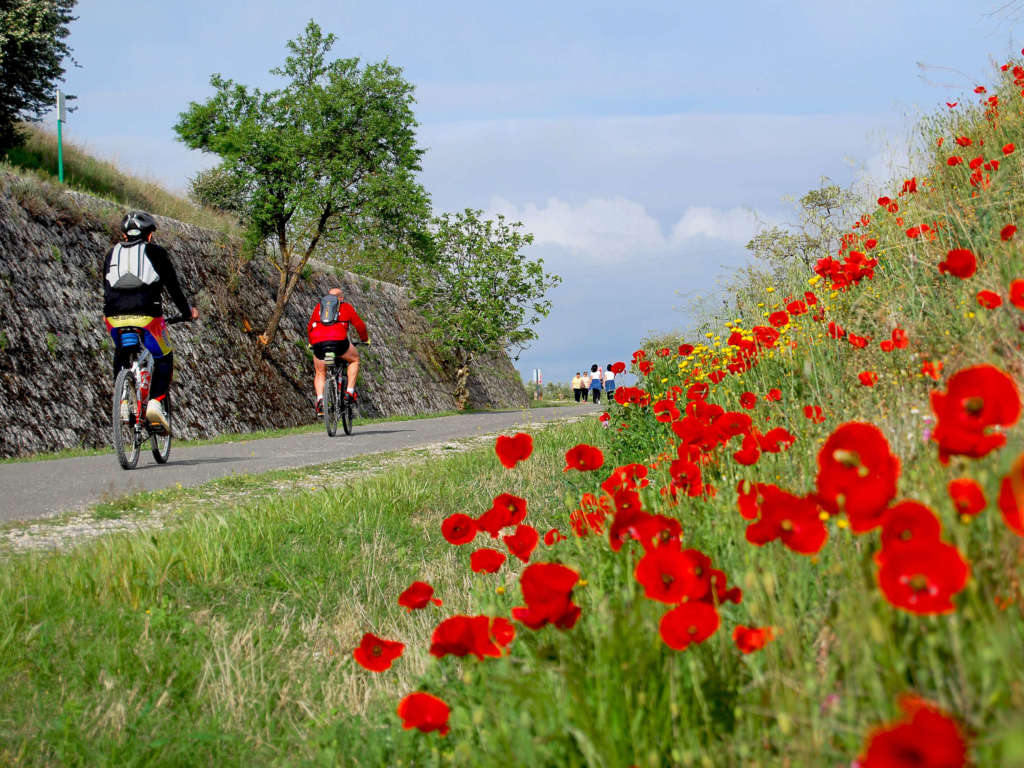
137,225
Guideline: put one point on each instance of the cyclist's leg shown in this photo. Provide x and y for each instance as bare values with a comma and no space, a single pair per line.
159,345
122,357
351,356
319,368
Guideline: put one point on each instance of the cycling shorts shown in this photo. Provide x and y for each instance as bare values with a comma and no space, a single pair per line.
153,337
339,348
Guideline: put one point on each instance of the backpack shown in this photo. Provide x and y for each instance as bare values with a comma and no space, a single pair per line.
330,306
130,267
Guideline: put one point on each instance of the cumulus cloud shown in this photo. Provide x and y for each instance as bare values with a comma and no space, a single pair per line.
617,229
736,225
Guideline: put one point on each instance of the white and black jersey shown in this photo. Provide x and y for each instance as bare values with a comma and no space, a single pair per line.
134,274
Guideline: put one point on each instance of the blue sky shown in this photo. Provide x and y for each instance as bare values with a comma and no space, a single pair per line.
642,143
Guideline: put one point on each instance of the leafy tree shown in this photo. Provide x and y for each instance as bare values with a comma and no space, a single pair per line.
32,54
823,212
479,293
325,164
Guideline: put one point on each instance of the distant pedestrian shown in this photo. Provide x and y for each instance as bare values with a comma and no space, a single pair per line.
585,386
596,376
609,382
577,386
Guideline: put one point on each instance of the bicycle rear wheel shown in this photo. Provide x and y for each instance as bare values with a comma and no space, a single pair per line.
331,405
161,443
346,406
124,415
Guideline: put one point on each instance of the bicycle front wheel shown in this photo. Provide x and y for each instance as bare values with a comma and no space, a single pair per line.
124,419
161,443
331,406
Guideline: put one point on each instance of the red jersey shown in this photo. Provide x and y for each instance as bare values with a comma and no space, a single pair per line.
337,331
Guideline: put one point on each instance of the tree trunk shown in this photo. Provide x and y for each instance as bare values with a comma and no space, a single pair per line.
461,381
284,292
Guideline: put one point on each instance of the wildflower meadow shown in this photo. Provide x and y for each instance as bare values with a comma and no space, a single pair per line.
799,539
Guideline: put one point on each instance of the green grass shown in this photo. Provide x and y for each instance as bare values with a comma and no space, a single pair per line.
37,159
227,638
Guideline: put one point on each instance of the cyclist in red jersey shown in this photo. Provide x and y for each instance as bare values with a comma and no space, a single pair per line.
328,332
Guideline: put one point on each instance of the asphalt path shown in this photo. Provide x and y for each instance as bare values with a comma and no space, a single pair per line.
34,489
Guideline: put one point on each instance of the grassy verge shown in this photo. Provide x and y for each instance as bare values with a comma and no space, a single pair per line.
227,639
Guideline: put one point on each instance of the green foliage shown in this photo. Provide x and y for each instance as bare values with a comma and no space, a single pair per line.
325,163
479,292
823,212
32,54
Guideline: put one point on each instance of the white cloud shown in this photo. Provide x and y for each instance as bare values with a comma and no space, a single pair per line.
736,225
617,229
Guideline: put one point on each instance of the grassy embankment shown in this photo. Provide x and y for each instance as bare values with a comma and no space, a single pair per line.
245,654
37,159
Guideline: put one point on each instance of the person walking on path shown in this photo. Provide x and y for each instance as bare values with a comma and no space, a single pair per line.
596,382
585,385
609,382
577,386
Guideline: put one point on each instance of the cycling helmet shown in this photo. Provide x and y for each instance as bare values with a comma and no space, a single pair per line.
137,225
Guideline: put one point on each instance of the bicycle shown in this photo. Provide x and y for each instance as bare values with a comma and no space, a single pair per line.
337,405
131,396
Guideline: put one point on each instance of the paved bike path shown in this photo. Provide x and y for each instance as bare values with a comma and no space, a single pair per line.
40,488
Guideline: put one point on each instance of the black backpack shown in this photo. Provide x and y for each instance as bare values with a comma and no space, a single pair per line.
330,305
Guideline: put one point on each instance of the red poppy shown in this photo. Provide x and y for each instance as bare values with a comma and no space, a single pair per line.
671,576
857,342
926,737
765,336
951,104
778,319
857,474
750,639
989,299
553,536
749,451
976,399
1017,293
967,496
377,654
665,411
547,590
963,141
1008,148
459,529
932,370
617,367
645,367
685,350
486,560
775,439
417,596
629,476
692,622
506,510
425,713
512,450
463,635
976,163
954,160
868,378
522,542
794,520
907,525
979,89
748,400
584,458
886,345
796,308
1011,497
959,262
1008,232
836,331
774,395
814,413
899,338
923,579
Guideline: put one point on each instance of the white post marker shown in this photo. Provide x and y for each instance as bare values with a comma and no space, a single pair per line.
62,115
